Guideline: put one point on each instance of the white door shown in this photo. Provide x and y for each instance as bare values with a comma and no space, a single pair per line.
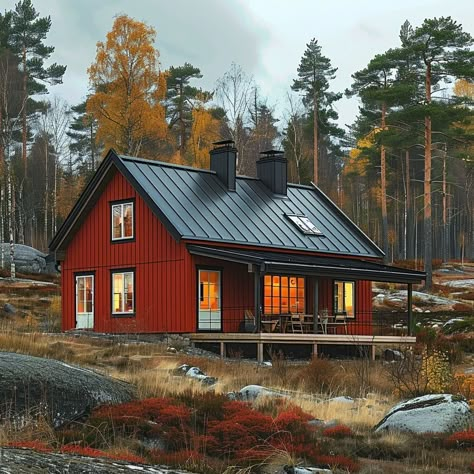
85,302
209,294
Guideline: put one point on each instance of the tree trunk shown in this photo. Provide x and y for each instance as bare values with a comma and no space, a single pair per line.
23,111
410,228
444,251
427,230
10,227
46,194
315,141
383,185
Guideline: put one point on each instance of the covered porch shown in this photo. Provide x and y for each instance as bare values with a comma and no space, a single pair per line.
296,297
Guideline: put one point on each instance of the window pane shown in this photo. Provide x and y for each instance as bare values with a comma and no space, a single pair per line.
117,293
284,281
117,221
267,280
349,298
128,292
128,220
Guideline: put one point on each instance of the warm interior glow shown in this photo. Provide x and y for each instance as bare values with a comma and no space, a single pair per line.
283,294
209,289
344,297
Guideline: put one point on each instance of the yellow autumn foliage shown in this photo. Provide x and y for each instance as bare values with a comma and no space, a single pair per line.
128,89
204,131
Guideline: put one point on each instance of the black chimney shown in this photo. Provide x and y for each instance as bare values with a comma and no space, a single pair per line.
271,170
223,160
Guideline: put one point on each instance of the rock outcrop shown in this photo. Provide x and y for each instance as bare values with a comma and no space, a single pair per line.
27,259
23,461
31,385
439,413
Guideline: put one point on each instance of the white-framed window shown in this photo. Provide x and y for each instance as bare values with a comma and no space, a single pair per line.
123,292
122,221
344,298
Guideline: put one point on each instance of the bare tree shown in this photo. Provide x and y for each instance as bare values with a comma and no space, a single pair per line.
234,95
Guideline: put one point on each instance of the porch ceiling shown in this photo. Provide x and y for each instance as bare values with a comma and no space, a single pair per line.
280,262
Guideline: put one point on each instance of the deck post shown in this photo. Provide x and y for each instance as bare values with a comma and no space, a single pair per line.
257,297
372,351
315,351
222,347
315,306
260,352
410,308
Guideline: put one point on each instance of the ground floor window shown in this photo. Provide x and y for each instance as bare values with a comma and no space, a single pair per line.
344,298
283,294
123,292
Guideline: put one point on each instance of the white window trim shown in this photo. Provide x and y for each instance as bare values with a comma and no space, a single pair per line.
123,292
122,221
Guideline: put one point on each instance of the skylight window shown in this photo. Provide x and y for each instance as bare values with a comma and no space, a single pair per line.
304,224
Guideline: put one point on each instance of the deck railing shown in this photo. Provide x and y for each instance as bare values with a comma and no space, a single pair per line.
374,323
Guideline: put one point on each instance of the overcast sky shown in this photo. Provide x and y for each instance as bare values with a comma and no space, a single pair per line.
266,37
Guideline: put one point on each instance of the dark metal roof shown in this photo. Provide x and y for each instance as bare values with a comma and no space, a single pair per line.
279,262
199,207
194,204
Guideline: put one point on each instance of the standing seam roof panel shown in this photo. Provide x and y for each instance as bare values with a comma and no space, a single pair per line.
199,206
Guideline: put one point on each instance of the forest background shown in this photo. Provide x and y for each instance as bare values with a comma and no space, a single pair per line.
403,171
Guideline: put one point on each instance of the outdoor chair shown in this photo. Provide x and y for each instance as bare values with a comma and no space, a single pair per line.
296,323
341,319
249,324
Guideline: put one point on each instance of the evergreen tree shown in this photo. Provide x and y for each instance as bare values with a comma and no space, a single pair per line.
180,98
83,134
26,41
441,51
380,87
314,73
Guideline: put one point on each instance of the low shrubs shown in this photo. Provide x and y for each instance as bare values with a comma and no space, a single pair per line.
34,445
338,432
461,440
342,463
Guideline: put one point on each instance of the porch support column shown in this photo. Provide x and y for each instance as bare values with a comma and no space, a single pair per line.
315,304
410,308
257,298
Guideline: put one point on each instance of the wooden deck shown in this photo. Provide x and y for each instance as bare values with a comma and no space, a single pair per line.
311,339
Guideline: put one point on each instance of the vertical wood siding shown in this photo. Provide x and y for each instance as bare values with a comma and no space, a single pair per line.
165,275
164,295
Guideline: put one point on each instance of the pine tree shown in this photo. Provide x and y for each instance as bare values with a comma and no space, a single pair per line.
441,51
314,73
380,87
26,41
83,134
180,99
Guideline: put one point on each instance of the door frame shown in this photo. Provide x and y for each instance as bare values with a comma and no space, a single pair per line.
76,276
221,279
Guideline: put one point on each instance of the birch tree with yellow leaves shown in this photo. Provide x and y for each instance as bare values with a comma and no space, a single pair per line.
128,89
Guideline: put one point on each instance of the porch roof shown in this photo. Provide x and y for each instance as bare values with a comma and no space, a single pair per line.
280,262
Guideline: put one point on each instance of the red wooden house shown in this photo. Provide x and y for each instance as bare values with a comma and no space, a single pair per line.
152,247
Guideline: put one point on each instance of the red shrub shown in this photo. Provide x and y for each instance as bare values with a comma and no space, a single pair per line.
83,451
35,445
339,462
338,432
161,417
178,458
471,467
461,440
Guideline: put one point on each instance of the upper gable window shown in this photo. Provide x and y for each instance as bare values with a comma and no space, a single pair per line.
304,224
122,221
